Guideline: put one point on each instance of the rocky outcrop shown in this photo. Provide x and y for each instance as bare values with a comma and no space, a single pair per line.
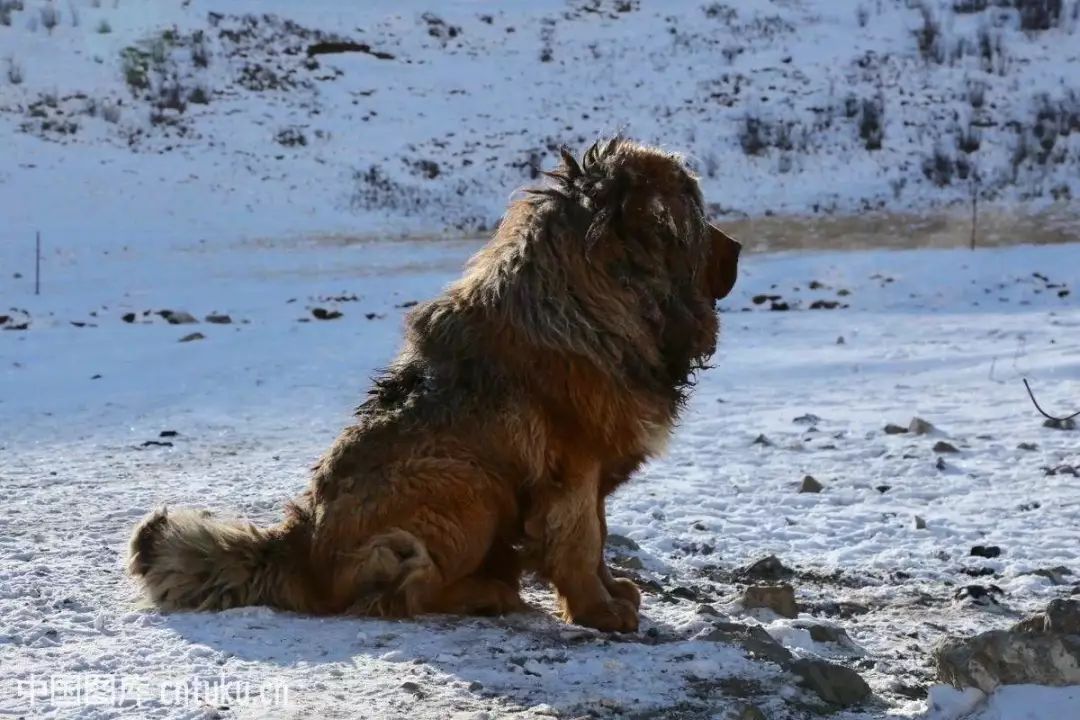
1042,650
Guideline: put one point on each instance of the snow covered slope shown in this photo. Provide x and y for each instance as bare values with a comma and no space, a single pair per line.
207,112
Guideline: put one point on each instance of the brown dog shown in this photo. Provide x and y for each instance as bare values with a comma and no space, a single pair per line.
527,392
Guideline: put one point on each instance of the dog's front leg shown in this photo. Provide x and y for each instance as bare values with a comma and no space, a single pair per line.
573,552
624,588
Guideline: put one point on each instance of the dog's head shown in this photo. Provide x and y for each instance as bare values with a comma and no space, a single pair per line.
627,228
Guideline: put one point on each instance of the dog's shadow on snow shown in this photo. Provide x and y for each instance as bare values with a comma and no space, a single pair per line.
518,658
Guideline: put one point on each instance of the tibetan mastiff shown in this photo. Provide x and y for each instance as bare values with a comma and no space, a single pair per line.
523,396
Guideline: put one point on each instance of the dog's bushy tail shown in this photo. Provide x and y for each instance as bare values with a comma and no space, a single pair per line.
187,560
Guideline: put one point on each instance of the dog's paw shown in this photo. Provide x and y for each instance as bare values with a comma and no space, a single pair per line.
614,615
624,589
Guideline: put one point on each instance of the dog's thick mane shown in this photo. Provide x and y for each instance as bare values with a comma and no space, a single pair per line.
603,264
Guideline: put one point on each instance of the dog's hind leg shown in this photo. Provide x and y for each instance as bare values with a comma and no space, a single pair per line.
476,595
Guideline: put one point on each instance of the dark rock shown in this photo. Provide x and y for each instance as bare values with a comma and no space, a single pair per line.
682,592
708,610
324,314
156,443
833,683
1027,446
883,488
891,429
193,336
920,523
168,433
986,595
842,609
1058,424
751,638
1042,650
943,447
629,562
1056,575
909,691
621,541
807,419
128,317
778,598
217,319
178,317
768,568
918,426
779,307
825,633
940,464
762,440
810,485
748,712
986,551
824,305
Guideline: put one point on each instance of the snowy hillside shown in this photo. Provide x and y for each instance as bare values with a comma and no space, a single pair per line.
415,116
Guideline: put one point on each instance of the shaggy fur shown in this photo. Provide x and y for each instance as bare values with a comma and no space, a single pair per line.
524,394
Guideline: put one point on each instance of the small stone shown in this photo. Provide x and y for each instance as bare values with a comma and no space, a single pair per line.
883,488
218,319
920,523
1027,446
840,340
833,683
943,447
178,317
475,686
324,314
621,541
749,712
193,336
1058,424
762,440
820,632
168,433
411,687
628,562
128,317
751,638
778,598
708,610
986,551
892,429
807,419
810,485
768,568
1056,575
918,426
909,691
940,464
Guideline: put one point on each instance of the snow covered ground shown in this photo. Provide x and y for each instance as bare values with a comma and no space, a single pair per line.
283,193
945,335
